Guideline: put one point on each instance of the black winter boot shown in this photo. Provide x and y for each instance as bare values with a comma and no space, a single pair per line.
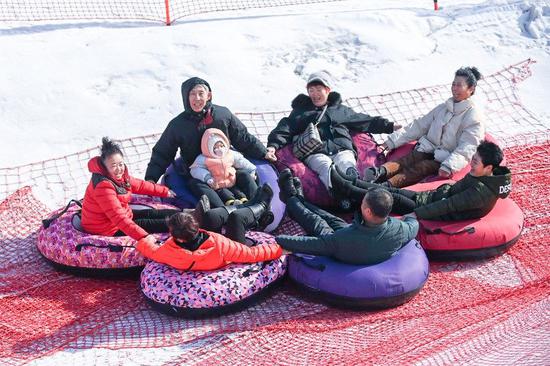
350,175
201,208
286,185
352,172
297,183
338,180
375,175
262,215
260,206
264,194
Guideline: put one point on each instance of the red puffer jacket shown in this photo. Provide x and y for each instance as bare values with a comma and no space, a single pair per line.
105,208
215,252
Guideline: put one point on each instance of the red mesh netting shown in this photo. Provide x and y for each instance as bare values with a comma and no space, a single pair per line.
483,312
155,10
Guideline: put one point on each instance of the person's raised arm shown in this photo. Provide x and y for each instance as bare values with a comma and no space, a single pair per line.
412,132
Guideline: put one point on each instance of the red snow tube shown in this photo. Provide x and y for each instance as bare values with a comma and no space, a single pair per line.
407,148
486,237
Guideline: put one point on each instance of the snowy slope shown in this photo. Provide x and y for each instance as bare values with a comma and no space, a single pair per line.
64,85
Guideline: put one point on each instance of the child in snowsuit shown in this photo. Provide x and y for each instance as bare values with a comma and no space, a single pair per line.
226,171
191,248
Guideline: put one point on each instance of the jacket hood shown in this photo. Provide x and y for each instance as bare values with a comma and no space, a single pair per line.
303,101
186,87
96,166
209,138
500,182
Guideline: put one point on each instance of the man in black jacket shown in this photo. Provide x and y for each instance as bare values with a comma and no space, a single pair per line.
373,237
185,132
336,121
472,197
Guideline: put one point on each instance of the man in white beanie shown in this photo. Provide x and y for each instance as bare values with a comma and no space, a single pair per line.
336,121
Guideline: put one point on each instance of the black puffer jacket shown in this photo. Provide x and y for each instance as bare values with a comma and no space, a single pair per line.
334,127
186,130
469,198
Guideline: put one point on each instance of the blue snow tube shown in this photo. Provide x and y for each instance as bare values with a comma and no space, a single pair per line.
383,285
175,180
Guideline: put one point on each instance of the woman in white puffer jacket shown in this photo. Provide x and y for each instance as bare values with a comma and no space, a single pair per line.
446,137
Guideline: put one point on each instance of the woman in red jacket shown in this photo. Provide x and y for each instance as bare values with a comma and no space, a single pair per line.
105,210
191,248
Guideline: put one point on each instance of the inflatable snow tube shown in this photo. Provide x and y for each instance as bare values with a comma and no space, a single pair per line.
486,237
193,294
67,247
383,285
368,154
407,148
185,199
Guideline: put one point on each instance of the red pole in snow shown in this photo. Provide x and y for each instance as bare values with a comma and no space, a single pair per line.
436,7
167,6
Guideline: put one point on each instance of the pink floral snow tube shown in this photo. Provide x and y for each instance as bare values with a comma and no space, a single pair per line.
207,293
68,247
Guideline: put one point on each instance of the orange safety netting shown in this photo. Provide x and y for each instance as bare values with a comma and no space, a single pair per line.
166,11
490,312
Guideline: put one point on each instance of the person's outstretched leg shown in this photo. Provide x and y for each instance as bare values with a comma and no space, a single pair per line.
246,184
403,204
199,188
255,214
312,223
260,205
286,185
237,224
320,164
335,222
423,166
153,220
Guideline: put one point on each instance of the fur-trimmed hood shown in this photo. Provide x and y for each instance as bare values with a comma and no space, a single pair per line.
303,101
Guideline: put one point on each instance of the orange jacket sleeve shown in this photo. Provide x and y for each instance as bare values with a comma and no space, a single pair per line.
207,257
236,252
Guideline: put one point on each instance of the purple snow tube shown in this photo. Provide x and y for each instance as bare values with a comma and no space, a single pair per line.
383,285
193,294
185,199
368,154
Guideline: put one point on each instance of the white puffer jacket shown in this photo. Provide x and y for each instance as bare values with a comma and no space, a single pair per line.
451,131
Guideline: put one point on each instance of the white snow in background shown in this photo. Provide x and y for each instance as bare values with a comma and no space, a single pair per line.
64,85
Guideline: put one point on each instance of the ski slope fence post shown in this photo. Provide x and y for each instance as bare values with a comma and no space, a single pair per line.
167,6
